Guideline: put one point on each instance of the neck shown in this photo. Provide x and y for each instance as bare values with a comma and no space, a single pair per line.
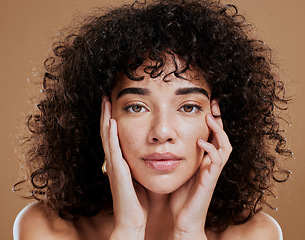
157,201
159,220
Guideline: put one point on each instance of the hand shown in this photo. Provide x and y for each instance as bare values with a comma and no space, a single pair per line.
189,204
129,198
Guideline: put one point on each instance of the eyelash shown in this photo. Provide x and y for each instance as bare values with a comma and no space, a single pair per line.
130,106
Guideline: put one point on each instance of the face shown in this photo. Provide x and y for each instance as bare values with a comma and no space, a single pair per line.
159,123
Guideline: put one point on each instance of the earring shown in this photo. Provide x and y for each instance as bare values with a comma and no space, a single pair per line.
104,167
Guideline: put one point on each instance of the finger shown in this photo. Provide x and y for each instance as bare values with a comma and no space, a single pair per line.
104,125
220,138
119,168
119,172
102,119
213,157
215,111
206,161
114,145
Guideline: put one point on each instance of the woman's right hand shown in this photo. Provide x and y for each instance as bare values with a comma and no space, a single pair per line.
130,202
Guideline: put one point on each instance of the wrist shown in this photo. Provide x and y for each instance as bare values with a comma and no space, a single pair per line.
183,235
128,234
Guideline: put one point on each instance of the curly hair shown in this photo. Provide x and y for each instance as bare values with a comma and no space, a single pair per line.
65,152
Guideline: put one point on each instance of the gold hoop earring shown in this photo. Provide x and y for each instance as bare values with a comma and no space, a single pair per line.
104,167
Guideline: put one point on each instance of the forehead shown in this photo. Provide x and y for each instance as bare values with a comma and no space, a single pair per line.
166,77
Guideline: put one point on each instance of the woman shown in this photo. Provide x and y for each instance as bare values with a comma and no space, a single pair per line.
174,103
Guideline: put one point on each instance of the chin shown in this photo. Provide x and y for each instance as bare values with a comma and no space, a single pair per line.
162,188
162,191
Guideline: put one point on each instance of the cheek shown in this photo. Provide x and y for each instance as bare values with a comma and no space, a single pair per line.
192,131
130,137
204,132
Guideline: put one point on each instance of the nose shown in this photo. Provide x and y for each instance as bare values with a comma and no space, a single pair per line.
162,129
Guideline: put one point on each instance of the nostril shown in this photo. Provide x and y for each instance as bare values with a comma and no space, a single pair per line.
157,140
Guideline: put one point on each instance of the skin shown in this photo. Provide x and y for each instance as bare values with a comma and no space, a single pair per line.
181,197
168,123
161,205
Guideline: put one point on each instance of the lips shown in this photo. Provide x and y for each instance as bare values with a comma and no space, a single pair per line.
162,161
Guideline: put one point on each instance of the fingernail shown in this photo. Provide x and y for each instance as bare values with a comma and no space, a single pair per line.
109,122
105,98
201,141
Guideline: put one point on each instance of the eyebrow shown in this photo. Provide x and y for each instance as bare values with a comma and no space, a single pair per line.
185,91
133,90
145,91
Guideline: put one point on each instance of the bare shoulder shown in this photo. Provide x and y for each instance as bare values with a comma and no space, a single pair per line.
34,221
261,226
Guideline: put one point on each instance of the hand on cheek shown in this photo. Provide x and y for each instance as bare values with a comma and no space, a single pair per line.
218,148
130,219
215,111
190,215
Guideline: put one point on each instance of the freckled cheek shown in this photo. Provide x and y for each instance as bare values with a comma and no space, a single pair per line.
194,131
205,132
130,137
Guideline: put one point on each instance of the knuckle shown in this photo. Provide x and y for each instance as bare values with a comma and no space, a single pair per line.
111,150
218,161
230,148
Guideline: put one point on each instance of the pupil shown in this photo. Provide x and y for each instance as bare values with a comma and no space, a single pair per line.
188,108
136,108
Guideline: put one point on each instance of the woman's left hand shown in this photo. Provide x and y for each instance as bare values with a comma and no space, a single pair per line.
189,204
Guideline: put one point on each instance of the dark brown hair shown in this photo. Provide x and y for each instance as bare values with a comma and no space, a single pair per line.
65,153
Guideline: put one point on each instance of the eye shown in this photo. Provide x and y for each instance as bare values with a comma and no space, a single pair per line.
135,108
190,108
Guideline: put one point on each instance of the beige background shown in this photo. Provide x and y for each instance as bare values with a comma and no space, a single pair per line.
26,29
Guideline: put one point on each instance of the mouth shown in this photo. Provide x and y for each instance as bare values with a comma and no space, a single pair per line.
163,162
